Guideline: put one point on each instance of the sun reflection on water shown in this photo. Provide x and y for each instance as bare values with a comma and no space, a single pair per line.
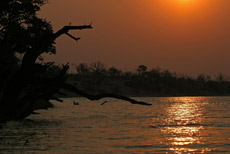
182,125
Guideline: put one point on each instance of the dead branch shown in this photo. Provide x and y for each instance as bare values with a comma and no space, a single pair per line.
66,29
71,36
30,57
100,96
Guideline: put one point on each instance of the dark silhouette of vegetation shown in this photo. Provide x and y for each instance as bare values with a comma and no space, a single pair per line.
155,82
26,83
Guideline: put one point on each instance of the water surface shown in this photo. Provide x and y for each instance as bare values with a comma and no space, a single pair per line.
170,125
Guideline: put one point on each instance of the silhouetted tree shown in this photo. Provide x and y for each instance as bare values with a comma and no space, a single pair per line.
202,78
97,69
83,69
220,77
24,82
98,73
141,69
114,72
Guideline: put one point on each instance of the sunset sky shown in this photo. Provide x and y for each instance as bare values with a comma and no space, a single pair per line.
186,36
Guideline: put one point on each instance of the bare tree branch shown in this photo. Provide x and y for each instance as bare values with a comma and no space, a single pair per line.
30,57
66,29
100,96
71,36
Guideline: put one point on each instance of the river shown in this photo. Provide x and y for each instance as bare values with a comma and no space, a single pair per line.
170,125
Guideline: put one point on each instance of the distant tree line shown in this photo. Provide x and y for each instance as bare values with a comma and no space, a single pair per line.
96,78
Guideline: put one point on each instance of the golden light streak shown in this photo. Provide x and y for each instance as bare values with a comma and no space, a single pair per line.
183,124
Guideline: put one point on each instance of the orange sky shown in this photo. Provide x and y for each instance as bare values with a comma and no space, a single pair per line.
186,36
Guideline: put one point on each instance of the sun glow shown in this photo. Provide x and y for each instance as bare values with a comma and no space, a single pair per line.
188,4
185,1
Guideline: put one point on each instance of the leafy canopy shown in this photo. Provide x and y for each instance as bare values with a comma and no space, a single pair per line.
21,29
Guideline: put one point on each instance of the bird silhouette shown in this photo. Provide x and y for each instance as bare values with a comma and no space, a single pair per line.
104,102
75,103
